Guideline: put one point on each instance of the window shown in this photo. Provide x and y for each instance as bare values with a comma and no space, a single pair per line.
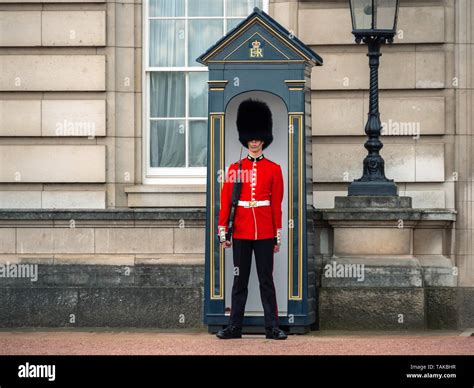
176,32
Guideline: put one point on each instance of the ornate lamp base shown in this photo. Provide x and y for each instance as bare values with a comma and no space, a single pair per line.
387,188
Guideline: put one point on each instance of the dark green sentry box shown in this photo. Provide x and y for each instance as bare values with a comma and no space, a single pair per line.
261,59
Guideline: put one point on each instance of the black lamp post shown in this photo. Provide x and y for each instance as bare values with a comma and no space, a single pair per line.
374,22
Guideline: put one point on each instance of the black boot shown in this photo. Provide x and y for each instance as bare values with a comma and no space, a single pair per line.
275,333
230,332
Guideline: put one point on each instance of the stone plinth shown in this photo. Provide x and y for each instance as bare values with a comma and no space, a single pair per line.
381,252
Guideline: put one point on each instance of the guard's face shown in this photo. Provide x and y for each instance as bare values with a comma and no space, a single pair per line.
255,145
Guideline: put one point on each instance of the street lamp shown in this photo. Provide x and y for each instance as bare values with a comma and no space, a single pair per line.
374,22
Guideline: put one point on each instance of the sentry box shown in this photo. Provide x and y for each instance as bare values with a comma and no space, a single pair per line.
261,59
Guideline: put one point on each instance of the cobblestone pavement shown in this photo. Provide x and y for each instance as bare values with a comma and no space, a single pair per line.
162,342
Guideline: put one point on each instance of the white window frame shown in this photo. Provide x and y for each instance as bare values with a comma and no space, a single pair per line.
171,175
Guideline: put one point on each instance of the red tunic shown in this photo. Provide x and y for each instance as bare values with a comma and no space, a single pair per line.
262,180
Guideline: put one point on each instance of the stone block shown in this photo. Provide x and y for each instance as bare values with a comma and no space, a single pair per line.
416,25
140,307
73,28
189,240
52,163
20,199
20,118
428,241
350,71
125,115
338,116
73,118
7,240
413,117
20,28
371,309
430,70
138,240
441,308
55,240
52,73
372,241
125,160
38,307
430,162
124,18
73,199
399,162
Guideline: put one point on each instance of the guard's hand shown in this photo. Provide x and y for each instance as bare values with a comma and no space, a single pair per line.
226,244
276,248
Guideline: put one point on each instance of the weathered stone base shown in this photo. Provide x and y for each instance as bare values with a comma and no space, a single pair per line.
171,296
164,296
450,308
395,308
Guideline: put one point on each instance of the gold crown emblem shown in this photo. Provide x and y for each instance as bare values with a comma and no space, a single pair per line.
256,44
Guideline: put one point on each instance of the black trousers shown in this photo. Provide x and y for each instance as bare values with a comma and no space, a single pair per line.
242,252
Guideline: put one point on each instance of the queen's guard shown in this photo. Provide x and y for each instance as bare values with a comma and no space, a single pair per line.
250,217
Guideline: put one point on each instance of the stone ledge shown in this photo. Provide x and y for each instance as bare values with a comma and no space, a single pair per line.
386,214
387,271
358,202
129,260
104,276
196,213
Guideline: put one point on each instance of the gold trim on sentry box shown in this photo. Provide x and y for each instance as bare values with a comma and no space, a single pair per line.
212,270
299,296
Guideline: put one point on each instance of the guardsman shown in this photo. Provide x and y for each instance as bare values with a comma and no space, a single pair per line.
258,218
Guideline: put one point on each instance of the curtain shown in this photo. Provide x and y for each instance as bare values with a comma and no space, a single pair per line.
205,8
202,34
167,137
167,38
166,7
242,7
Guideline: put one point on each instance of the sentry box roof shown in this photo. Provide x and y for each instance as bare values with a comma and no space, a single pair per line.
259,38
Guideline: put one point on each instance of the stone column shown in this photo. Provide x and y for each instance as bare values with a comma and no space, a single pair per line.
464,144
463,83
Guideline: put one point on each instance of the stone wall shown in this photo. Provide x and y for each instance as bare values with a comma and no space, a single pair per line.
101,268
79,63
70,93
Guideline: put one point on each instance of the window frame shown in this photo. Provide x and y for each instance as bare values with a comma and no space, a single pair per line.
172,175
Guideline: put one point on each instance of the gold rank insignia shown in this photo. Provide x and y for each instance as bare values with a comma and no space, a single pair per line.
256,51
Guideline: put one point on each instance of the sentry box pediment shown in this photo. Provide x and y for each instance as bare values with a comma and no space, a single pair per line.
261,59
259,39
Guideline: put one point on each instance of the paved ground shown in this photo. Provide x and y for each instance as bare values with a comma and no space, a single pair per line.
154,342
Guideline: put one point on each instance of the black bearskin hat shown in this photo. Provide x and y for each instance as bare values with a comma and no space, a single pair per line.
254,122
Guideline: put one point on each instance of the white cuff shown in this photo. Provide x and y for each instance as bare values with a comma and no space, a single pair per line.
221,233
278,237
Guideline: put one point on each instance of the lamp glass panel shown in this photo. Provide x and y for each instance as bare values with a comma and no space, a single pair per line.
361,14
386,12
